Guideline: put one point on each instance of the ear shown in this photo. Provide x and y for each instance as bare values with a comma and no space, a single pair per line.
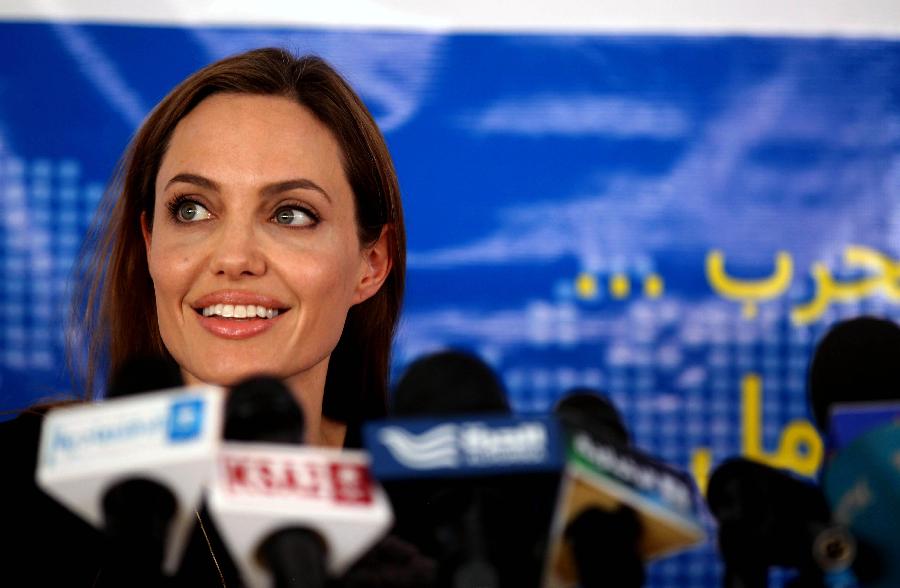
145,231
376,266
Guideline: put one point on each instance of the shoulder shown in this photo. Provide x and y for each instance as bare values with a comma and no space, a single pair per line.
19,437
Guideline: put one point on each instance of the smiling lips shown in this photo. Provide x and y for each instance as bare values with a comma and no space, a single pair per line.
237,315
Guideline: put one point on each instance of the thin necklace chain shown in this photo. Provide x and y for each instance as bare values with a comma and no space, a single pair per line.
211,552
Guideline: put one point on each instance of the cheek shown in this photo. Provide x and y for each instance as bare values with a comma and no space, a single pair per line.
329,278
171,271
345,272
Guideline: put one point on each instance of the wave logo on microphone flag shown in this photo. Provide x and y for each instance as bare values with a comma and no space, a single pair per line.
435,448
429,446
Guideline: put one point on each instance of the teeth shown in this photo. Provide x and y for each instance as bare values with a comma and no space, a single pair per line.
240,311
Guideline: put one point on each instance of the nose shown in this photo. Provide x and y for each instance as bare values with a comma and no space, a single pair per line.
237,253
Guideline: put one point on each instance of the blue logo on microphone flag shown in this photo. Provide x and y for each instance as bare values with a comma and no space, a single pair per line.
673,220
185,420
849,421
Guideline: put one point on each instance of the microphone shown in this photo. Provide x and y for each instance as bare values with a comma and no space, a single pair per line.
584,409
290,515
617,507
602,544
134,466
471,486
862,483
853,391
769,518
138,511
855,362
144,373
448,383
473,493
262,409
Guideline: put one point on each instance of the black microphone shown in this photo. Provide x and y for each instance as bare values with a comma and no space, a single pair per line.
138,511
604,542
617,507
588,410
448,382
605,547
134,466
769,518
855,362
291,515
144,373
853,391
482,526
258,409
263,409
449,521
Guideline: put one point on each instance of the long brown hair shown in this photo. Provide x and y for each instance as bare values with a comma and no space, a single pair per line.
116,302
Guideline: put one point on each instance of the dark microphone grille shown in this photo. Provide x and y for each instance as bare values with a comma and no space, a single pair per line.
858,360
449,383
144,374
588,410
262,408
765,515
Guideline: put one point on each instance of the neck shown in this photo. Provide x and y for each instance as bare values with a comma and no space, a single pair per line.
308,389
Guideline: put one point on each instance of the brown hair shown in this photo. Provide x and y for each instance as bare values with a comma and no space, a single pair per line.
116,300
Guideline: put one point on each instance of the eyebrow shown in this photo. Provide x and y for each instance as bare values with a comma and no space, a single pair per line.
267,191
199,181
297,184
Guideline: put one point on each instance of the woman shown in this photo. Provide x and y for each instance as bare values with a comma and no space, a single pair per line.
255,227
261,183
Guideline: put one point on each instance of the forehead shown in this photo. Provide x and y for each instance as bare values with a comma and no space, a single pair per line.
244,138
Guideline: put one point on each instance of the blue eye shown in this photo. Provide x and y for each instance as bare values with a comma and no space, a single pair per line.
294,216
189,211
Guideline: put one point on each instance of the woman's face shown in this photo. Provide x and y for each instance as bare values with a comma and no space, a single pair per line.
254,251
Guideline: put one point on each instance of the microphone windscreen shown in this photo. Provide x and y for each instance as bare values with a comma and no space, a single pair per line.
856,361
583,409
138,513
449,383
765,514
147,373
261,408
605,547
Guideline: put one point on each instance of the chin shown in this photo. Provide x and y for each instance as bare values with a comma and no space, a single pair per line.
231,374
